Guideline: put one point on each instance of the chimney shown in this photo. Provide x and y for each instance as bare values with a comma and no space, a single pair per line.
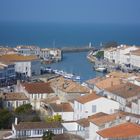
112,83
90,91
16,120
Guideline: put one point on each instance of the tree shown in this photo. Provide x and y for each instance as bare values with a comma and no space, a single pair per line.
23,109
100,54
48,135
55,118
5,119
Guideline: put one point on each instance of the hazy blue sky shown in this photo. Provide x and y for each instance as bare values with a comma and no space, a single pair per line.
75,11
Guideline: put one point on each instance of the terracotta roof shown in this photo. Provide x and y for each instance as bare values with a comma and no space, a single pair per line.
50,100
136,52
16,57
38,87
62,107
118,74
14,96
35,125
107,118
94,80
68,86
87,98
125,90
125,130
108,82
85,121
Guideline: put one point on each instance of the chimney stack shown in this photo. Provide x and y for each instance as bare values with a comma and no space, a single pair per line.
16,121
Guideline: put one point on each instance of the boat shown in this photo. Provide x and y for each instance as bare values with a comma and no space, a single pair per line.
101,69
67,75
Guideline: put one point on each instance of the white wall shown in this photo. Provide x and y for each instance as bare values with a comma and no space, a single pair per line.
92,131
23,67
102,105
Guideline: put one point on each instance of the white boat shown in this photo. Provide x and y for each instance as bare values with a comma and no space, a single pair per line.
101,69
67,75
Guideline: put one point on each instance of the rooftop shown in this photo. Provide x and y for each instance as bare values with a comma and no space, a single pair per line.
108,82
16,57
38,87
125,90
85,121
125,130
107,118
37,125
14,96
61,107
136,52
87,98
68,86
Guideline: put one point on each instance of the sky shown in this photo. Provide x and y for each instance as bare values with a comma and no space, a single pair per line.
71,11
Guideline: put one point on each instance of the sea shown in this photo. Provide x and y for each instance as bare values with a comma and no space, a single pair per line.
57,35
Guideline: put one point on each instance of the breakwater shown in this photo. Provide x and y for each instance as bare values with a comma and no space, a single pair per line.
77,49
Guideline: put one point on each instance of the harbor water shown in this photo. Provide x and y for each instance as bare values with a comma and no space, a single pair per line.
67,35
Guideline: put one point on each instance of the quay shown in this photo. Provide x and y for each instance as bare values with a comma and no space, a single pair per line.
77,49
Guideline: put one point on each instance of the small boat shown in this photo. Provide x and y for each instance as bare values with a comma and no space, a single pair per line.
101,69
67,75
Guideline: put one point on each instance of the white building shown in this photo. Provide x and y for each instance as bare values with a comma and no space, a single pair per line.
25,66
119,55
50,54
35,92
34,129
104,121
135,59
124,93
7,73
63,109
28,50
13,100
88,105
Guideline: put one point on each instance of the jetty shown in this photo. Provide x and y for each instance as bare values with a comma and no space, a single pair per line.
77,49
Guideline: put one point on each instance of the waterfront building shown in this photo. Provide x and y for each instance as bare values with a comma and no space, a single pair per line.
33,129
28,50
119,55
25,66
7,74
48,54
13,100
35,92
127,131
91,104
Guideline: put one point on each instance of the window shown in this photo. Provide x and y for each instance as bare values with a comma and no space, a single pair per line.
8,104
93,108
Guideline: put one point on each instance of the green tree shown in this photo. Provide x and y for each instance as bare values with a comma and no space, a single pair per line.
5,119
100,54
55,118
23,109
48,135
